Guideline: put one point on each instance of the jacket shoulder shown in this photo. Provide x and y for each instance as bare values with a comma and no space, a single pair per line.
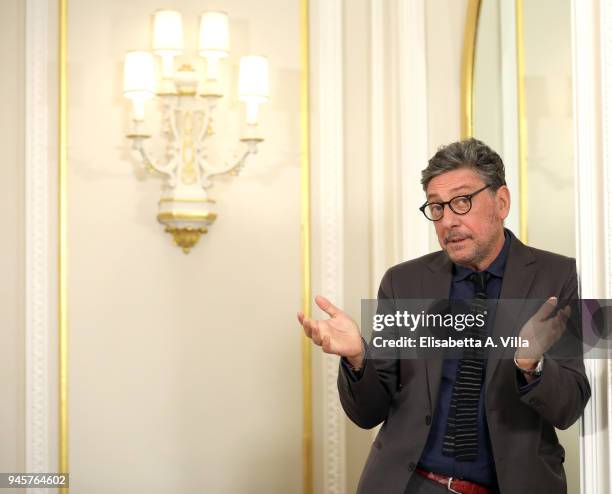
418,263
551,265
551,257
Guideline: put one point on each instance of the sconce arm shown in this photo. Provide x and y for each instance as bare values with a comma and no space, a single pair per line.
232,169
169,170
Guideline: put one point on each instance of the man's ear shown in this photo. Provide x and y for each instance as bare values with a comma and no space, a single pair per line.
503,201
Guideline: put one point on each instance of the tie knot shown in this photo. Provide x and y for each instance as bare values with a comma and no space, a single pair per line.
480,280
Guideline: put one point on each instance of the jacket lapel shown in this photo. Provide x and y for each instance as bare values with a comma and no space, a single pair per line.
436,285
518,278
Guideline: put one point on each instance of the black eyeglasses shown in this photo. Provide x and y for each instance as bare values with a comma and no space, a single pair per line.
434,211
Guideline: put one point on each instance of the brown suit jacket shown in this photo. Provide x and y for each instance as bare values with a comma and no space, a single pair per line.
401,394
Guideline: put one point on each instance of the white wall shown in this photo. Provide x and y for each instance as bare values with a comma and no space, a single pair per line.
12,282
487,107
550,152
185,370
548,101
445,25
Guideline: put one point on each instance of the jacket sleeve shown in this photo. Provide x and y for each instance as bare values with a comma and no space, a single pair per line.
366,396
563,389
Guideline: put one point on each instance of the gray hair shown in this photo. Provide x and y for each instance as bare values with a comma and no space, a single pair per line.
467,153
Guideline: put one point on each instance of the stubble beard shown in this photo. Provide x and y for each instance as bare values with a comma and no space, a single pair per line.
479,252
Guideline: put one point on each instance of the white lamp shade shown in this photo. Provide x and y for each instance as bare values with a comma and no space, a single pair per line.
214,35
138,75
253,83
167,32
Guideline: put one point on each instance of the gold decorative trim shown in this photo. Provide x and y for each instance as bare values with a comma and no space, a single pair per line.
307,454
63,241
186,216
467,68
187,237
522,122
186,199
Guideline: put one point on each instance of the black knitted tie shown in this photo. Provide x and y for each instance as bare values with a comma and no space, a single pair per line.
461,437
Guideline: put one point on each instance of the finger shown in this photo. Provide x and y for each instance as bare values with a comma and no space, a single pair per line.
326,344
563,316
561,325
567,312
547,309
300,316
307,324
326,306
316,334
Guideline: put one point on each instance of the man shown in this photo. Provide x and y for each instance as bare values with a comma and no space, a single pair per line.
435,438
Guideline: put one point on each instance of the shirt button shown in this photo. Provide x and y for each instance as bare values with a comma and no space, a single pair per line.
411,466
428,420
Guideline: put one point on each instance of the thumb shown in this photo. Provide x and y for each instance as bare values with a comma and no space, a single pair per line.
326,306
547,309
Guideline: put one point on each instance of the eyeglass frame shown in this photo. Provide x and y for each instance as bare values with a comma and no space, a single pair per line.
448,203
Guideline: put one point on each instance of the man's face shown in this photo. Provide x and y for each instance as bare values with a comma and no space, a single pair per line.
473,239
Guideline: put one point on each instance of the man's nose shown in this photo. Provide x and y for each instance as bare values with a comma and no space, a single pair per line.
450,218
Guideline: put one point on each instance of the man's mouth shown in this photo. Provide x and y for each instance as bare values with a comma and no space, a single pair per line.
456,240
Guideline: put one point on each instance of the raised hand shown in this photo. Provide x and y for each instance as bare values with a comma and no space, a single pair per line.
338,335
542,331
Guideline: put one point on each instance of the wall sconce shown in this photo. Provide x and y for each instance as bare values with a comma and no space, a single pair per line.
187,102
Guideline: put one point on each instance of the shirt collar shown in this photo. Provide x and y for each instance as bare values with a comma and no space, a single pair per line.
496,268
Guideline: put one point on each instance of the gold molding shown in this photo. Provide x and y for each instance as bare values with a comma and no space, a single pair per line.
185,199
186,216
63,241
522,122
186,238
467,68
307,451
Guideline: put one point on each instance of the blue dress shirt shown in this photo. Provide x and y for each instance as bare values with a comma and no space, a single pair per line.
482,469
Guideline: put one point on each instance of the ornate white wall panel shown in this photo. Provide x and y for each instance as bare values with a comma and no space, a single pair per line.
591,59
37,238
331,177
398,152
605,12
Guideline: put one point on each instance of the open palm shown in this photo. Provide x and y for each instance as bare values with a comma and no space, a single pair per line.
543,329
339,334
